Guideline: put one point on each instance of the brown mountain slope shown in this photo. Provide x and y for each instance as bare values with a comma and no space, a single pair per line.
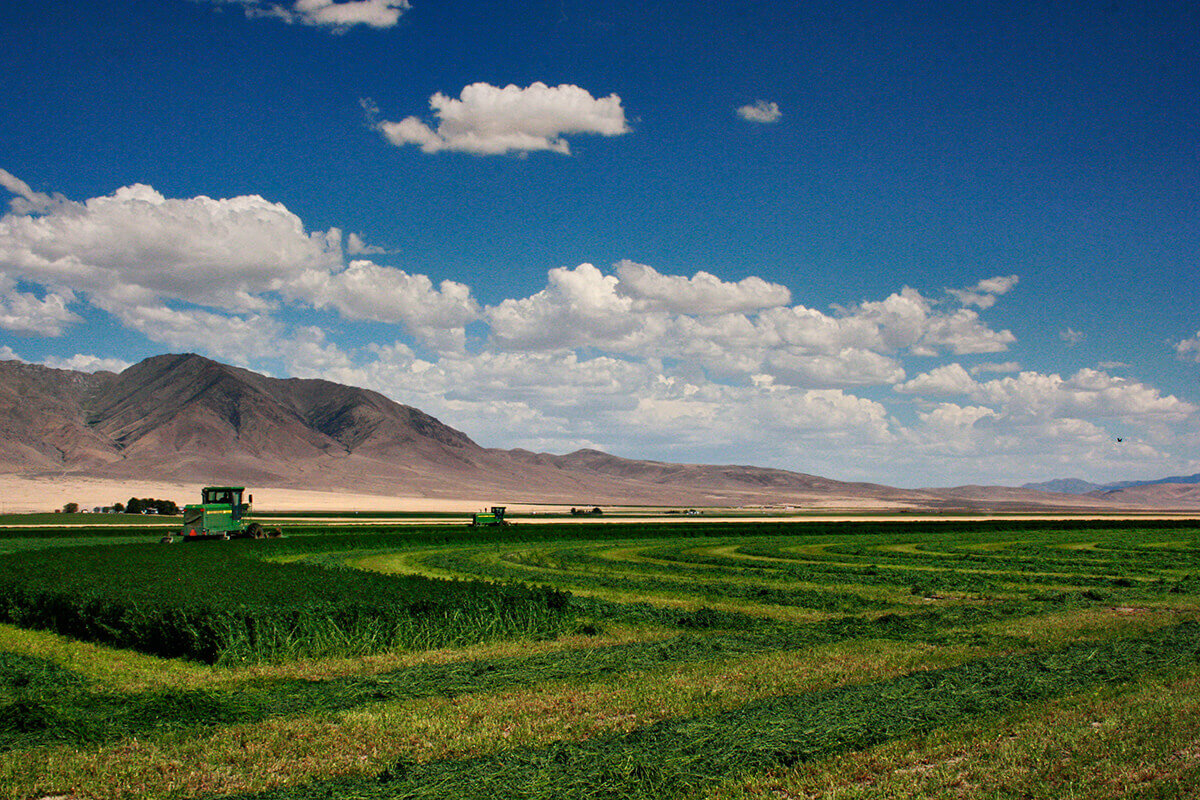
198,410
190,419
41,421
186,417
728,478
1008,498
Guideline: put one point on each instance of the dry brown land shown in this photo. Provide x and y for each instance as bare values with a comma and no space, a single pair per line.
20,494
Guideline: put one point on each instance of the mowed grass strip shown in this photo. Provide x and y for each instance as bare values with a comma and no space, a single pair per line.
1135,740
34,712
678,757
836,574
365,740
127,671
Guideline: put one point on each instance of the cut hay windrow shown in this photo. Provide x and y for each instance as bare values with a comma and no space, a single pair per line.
650,580
775,561
680,757
870,533
42,703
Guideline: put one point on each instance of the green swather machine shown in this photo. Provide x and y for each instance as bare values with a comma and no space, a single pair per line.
221,514
485,518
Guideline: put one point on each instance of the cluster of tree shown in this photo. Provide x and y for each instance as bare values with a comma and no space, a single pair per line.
579,511
148,505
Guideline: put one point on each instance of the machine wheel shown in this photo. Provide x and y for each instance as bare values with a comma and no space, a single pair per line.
254,530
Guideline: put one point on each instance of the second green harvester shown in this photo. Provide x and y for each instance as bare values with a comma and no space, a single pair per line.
221,514
493,517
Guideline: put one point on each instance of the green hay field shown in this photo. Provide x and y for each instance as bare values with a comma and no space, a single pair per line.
699,660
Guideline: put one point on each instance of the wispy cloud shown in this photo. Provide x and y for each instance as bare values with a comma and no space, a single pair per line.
337,15
1071,336
992,366
984,293
355,246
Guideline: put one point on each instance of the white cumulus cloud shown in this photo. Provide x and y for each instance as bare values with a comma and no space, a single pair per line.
1189,349
578,308
909,321
217,252
848,367
735,329
146,258
763,111
81,362
25,312
236,339
702,294
26,200
963,332
368,291
948,379
489,120
1088,394
355,246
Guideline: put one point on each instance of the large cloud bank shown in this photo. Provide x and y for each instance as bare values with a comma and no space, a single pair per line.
626,358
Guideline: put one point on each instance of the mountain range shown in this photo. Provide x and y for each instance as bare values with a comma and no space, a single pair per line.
1078,486
185,418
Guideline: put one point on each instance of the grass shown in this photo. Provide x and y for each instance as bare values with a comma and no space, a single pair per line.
1140,739
475,723
969,660
678,756
23,521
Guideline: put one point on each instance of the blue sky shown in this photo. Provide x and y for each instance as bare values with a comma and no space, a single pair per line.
918,244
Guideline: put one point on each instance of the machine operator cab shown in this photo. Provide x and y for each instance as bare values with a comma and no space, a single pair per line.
226,495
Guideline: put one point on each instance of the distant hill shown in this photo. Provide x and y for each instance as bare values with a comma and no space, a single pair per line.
1177,479
1116,491
752,479
1064,486
185,418
1153,495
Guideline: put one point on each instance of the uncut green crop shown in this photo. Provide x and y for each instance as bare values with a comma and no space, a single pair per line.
218,604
